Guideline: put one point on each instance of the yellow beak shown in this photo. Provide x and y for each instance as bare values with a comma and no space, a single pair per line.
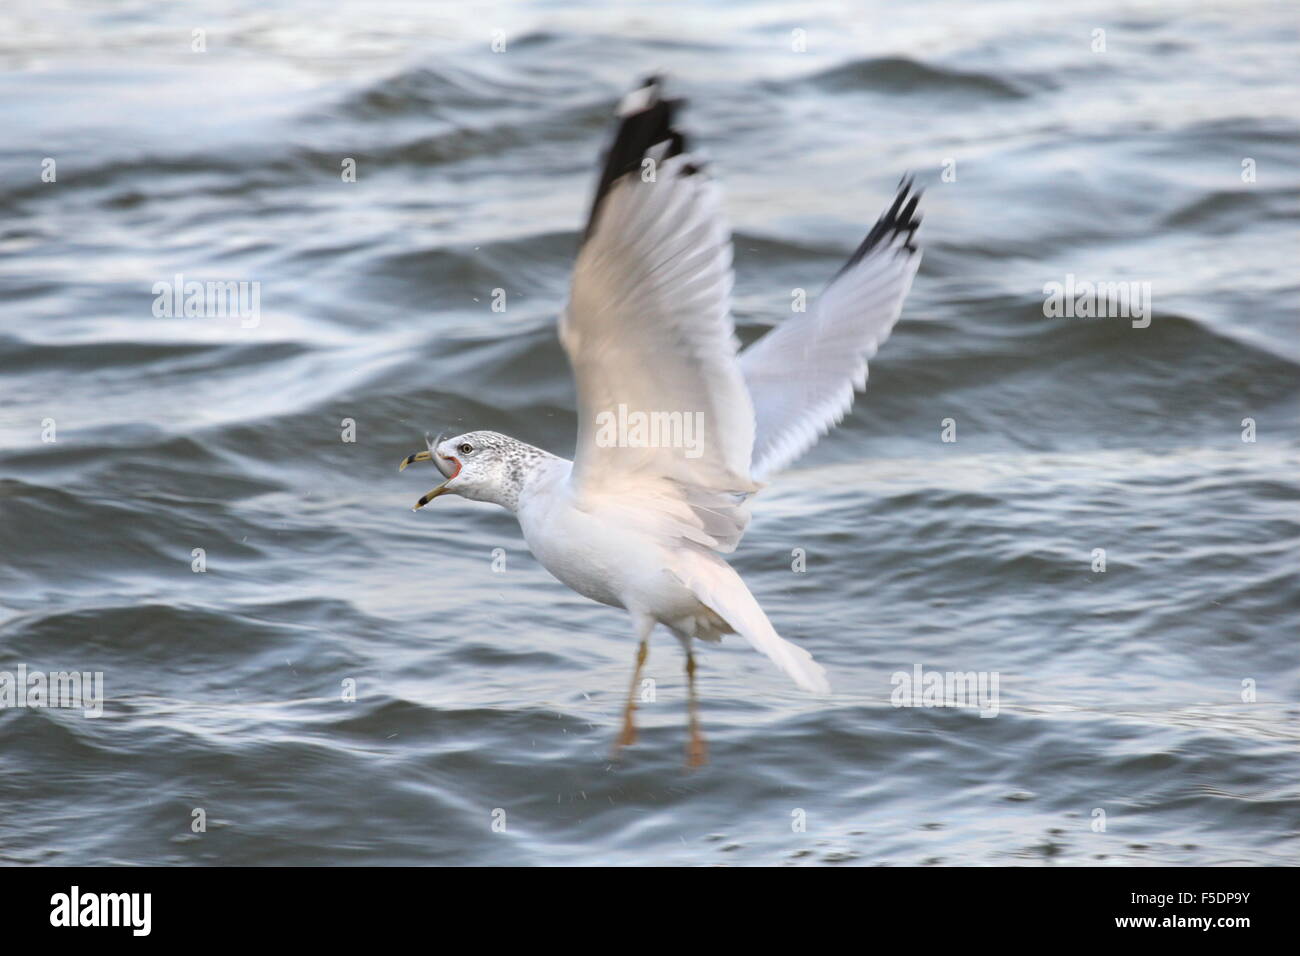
431,495
441,489
412,459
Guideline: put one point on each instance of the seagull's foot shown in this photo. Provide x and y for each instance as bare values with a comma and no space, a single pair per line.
627,736
697,751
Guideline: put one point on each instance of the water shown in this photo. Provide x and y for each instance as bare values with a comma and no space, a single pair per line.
486,695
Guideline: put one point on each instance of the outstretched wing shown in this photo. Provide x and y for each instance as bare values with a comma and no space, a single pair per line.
663,412
802,374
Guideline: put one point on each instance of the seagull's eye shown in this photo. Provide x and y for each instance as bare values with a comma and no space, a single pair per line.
465,448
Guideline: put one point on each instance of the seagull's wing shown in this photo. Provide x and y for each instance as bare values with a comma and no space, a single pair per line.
802,374
648,331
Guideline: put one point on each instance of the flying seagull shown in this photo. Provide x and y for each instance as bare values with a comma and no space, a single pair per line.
638,520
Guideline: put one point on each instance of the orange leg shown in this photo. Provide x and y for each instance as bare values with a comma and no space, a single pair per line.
697,752
628,735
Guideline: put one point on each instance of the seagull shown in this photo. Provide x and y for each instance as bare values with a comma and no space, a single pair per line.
677,427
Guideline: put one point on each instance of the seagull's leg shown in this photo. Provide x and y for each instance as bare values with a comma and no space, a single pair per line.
628,735
697,752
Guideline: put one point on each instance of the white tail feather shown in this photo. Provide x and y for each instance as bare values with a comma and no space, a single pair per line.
718,586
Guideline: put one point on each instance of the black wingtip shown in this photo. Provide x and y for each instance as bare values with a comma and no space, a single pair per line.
645,121
900,218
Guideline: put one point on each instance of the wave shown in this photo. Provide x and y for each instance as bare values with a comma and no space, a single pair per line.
904,75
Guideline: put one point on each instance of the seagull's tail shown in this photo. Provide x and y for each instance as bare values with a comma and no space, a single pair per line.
721,589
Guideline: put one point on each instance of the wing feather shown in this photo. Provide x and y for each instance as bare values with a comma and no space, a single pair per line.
648,332
802,375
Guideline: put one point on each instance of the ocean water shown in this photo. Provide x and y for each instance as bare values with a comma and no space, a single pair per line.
1147,713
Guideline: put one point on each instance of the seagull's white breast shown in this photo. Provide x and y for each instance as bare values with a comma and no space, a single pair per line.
595,554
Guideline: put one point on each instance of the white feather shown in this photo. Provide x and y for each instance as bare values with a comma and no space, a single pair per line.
720,588
803,373
648,326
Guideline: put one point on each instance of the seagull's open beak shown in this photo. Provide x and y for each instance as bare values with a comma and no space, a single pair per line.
450,468
446,469
440,490
412,459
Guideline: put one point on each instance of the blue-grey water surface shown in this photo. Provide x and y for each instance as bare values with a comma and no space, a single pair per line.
1148,713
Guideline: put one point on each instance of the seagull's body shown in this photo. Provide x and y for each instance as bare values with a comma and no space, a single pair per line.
648,327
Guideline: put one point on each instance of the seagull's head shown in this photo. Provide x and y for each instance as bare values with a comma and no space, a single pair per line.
480,465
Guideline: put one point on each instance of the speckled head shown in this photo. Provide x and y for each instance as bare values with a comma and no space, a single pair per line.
482,466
